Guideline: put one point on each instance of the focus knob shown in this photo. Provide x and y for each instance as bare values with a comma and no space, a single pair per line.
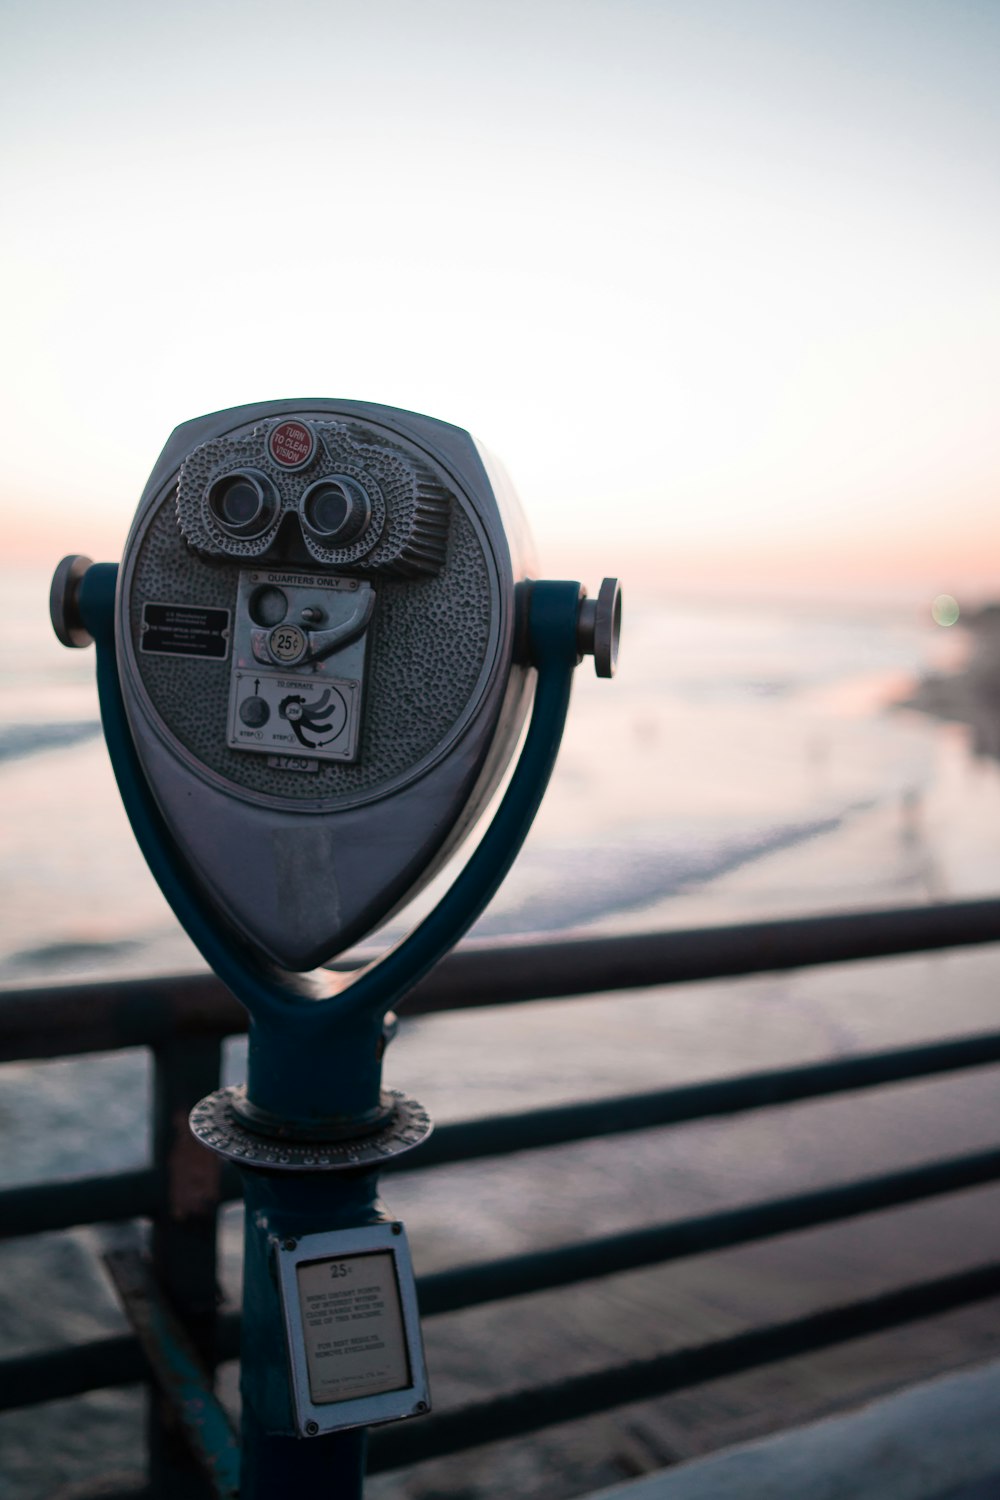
64,601
599,627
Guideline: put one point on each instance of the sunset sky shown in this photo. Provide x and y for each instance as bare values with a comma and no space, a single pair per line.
719,280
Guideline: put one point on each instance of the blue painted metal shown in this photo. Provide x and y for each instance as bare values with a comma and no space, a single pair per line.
275,1067
315,1049
183,1254
275,1461
295,1031
181,1377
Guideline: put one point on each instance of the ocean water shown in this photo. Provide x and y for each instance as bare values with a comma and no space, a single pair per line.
730,736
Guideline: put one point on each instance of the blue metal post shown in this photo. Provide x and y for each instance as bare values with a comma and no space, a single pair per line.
316,1042
275,1462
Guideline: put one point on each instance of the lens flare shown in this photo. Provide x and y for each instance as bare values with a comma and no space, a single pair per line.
944,610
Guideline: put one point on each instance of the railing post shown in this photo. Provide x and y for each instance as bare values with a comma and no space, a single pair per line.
183,1242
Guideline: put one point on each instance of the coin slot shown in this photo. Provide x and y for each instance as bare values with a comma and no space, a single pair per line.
268,606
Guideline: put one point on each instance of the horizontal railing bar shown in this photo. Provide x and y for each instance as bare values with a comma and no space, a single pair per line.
580,1396
100,1491
55,1375
449,1290
561,966
58,1374
544,1270
62,1020
32,1209
98,1364
71,1019
42,1207
53,1206
499,1135
490,1281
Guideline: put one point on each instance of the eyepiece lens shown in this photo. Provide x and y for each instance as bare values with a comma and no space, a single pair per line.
239,503
336,509
330,508
243,503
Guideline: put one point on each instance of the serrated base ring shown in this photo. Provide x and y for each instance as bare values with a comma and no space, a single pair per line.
216,1124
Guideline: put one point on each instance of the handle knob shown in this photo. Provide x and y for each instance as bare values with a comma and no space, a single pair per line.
599,627
64,601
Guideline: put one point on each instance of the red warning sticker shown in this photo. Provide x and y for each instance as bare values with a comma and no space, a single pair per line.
291,444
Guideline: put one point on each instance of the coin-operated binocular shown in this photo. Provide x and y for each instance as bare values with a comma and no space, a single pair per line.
315,663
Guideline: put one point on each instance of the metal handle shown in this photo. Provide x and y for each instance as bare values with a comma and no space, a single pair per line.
64,601
599,627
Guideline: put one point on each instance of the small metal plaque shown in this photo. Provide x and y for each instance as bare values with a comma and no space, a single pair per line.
185,630
352,1327
298,671
302,718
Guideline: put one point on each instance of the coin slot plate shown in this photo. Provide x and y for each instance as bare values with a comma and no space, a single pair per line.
309,709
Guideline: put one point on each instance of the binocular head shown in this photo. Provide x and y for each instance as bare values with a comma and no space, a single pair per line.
320,630
316,623
331,493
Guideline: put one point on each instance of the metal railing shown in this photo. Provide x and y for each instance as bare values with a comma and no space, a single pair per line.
184,1022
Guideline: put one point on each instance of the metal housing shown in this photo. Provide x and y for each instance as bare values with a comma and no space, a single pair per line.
304,860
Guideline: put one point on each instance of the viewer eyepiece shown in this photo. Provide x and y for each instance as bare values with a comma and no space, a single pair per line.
243,503
336,508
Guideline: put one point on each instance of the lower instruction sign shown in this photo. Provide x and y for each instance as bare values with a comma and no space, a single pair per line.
351,1321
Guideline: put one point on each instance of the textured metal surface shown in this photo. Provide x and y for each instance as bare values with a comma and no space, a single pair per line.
409,501
441,724
309,706
446,703
216,1124
429,646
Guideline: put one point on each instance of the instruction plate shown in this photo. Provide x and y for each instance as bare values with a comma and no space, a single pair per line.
352,1328
298,671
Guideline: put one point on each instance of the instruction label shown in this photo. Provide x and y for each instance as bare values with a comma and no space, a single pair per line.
352,1325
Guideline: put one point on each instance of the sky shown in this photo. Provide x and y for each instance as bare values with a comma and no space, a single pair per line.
718,280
